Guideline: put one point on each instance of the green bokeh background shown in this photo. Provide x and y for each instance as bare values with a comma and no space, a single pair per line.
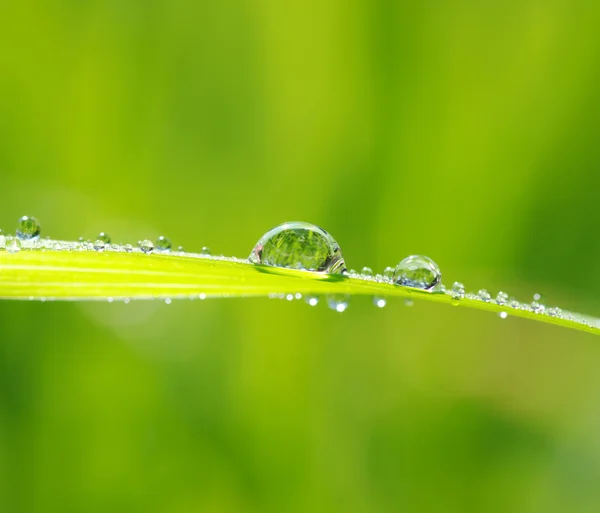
467,131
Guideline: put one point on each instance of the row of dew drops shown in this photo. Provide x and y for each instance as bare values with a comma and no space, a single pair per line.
296,245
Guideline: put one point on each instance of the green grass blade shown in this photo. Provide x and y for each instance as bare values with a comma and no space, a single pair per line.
76,272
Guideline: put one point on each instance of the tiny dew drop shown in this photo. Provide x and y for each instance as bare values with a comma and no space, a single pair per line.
104,237
388,273
128,248
458,291
146,246
501,298
484,295
99,245
12,244
299,245
367,271
417,271
28,228
205,250
537,307
503,315
163,243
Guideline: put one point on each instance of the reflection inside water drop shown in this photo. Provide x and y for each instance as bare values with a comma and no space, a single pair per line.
418,271
299,245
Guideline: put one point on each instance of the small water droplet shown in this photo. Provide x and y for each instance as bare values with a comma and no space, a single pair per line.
501,298
537,297
388,274
537,307
297,295
168,301
503,315
99,245
484,295
204,251
202,295
128,248
338,302
163,243
379,302
290,297
367,271
513,303
104,237
299,245
110,299
28,228
417,271
126,300
311,300
12,244
146,246
458,292
555,312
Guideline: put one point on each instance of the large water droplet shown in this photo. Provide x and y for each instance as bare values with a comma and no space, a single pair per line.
299,245
417,271
28,228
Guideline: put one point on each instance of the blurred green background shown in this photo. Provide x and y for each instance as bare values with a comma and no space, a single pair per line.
467,131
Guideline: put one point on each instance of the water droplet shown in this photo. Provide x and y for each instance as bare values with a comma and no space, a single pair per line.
537,297
104,237
338,302
299,245
408,302
290,297
297,295
128,248
379,302
311,300
202,295
168,301
163,243
367,271
484,295
458,292
110,299
503,315
12,244
537,307
501,298
417,271
388,274
28,228
555,312
203,251
99,245
146,246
